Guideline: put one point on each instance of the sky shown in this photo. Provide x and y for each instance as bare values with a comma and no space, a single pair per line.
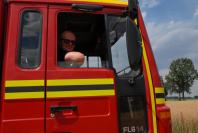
172,26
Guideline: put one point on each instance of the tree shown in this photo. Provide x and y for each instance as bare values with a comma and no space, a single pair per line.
181,76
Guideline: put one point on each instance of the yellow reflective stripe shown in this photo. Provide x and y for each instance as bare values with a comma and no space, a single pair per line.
24,95
136,21
63,82
22,83
120,2
56,94
159,90
160,100
150,88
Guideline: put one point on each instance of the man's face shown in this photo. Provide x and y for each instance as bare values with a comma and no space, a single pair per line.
68,40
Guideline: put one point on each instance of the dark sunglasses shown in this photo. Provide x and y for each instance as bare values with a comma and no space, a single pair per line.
67,41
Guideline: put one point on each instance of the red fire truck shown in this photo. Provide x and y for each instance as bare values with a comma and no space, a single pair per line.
117,89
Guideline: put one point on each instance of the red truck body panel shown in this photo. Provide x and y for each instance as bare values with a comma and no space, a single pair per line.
88,109
21,114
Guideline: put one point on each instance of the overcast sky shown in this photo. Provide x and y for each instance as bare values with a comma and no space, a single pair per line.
172,26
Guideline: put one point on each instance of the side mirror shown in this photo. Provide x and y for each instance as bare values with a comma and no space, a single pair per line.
134,45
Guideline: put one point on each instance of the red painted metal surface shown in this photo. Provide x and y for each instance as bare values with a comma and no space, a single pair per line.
1,55
69,2
22,115
163,125
164,119
148,101
94,114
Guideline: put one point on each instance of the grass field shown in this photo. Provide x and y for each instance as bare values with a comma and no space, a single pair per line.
184,116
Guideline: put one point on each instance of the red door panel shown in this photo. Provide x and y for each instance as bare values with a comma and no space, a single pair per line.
79,111
23,102
78,100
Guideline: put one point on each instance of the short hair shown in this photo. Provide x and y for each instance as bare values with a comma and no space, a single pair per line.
68,31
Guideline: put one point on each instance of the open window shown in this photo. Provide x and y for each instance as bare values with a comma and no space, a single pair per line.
89,30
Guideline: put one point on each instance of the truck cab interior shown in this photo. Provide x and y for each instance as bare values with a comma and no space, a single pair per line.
90,36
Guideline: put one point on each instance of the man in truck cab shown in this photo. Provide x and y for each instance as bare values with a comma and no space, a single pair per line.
66,50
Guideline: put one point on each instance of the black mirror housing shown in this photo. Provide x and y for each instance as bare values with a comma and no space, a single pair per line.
134,45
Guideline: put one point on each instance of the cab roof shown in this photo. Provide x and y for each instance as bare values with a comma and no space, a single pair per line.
114,3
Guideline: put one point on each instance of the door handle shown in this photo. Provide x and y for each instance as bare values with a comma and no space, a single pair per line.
60,108
55,109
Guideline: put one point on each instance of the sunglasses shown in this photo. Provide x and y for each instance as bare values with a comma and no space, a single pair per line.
67,41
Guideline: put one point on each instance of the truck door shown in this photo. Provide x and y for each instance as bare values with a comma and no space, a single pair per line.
131,91
78,99
24,69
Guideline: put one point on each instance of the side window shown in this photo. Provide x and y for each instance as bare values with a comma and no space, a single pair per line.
120,57
117,36
30,40
81,41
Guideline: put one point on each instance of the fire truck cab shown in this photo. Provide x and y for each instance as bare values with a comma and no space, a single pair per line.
117,89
